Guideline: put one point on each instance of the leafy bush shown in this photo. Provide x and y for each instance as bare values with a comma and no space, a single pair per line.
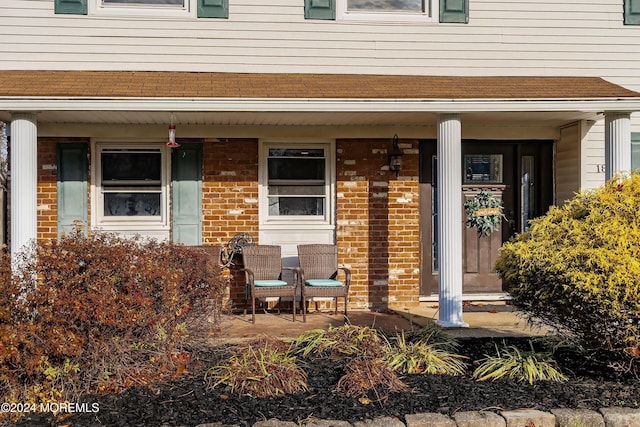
261,368
100,313
520,365
578,269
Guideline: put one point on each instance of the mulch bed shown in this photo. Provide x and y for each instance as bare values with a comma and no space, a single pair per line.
188,402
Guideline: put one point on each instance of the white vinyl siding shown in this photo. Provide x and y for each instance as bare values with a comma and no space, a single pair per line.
593,170
502,38
567,163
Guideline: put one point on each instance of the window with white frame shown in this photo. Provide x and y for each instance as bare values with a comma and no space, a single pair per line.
296,182
131,184
388,10
160,3
168,8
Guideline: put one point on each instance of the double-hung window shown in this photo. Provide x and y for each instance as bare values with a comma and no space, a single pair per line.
296,183
131,186
171,9
388,10
168,8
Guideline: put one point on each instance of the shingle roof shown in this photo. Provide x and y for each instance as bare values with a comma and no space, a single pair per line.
152,84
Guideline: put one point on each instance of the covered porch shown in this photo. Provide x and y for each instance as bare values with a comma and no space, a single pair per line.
213,107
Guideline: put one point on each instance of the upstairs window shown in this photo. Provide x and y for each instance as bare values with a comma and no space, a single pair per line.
170,9
446,11
175,8
388,10
143,3
386,6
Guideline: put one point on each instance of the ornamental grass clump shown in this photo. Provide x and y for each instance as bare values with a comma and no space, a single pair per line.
422,357
520,365
343,342
262,368
578,269
370,377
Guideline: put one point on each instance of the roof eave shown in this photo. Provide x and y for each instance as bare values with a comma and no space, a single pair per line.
24,104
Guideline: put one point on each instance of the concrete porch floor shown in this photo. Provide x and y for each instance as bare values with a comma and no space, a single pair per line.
484,319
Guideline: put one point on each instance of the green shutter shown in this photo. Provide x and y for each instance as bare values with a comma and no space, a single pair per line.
455,11
186,164
72,187
320,9
74,7
635,151
632,12
213,8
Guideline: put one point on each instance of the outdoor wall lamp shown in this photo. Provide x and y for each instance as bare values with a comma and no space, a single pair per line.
172,135
395,156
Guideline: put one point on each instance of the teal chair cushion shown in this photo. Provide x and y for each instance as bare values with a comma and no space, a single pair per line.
269,283
323,282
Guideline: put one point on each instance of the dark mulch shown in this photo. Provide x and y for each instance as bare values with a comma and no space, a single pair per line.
188,402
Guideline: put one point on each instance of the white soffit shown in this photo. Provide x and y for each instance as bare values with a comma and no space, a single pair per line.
32,104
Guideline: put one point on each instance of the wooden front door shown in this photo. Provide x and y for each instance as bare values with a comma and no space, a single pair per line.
519,172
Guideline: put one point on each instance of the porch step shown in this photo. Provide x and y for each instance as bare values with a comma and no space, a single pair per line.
494,296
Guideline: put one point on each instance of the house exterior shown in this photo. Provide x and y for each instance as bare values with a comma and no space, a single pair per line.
286,113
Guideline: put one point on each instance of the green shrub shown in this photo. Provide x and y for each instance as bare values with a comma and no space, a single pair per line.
578,268
100,313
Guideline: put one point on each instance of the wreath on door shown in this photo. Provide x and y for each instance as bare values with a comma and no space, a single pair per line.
484,213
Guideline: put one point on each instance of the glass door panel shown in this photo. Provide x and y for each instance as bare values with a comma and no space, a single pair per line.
527,191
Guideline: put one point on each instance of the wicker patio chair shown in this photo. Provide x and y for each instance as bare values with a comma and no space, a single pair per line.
263,271
318,275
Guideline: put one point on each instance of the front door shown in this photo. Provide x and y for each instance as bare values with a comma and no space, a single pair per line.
519,172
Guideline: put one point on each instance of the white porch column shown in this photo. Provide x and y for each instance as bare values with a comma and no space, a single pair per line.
617,143
24,179
449,152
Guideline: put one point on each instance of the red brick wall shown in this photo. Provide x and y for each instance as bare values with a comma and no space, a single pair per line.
230,198
377,212
378,223
47,212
